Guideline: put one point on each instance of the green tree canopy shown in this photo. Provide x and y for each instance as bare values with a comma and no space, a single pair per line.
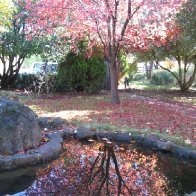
6,10
16,44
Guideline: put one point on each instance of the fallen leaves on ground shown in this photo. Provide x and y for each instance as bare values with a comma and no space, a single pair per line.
170,118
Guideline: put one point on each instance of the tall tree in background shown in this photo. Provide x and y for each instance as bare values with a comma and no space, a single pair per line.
114,24
6,8
14,45
180,44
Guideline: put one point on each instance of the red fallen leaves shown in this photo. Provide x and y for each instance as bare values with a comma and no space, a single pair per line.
140,114
135,113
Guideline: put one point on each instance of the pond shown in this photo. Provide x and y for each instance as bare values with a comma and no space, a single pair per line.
103,168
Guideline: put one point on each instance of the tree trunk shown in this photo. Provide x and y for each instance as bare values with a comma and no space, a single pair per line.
10,74
184,86
107,82
149,68
114,83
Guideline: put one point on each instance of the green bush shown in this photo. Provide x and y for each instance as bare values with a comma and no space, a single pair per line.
25,81
95,74
41,84
161,78
72,73
139,77
132,68
81,74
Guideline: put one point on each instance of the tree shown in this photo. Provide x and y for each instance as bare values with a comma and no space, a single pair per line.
5,13
186,19
180,44
147,58
14,44
115,24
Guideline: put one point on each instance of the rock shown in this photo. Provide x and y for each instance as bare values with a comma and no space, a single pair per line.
51,123
55,137
193,156
150,142
19,128
84,133
138,138
48,151
67,133
164,146
109,136
6,162
23,160
181,152
122,137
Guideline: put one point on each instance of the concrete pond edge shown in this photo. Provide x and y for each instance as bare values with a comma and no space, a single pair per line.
53,148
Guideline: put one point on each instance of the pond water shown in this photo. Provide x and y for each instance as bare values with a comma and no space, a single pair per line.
102,168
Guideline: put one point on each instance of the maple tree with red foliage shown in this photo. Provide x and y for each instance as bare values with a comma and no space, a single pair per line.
113,24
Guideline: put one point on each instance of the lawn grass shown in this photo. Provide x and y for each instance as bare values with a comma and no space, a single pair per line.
147,85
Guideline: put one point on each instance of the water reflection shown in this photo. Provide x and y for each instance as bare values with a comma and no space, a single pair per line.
103,169
17,181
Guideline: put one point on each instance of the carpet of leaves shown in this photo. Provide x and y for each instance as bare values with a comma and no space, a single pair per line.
134,111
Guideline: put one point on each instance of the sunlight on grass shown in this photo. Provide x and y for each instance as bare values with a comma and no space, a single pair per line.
189,100
102,127
72,114
37,109
145,84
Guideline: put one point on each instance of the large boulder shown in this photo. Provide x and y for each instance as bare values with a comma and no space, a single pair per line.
19,128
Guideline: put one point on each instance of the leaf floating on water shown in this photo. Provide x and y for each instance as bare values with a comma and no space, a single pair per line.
187,141
108,142
90,140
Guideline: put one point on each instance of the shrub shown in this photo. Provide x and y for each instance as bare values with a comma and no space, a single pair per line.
162,77
95,74
46,84
132,68
38,83
25,81
139,77
72,73
81,74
